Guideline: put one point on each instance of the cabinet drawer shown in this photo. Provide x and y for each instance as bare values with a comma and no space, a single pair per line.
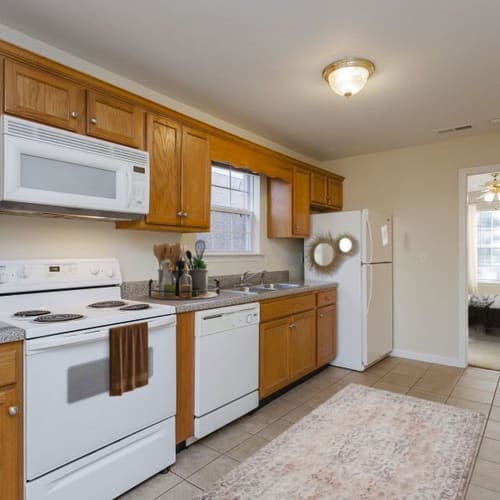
327,297
279,308
8,364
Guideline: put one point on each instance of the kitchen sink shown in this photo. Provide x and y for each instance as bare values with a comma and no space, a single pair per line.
286,286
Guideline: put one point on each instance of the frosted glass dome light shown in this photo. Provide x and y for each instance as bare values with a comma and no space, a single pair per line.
348,76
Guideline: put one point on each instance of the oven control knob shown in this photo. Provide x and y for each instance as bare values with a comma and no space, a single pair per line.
110,272
24,272
94,269
4,277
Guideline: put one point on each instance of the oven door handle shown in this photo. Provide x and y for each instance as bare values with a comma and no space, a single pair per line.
58,341
46,344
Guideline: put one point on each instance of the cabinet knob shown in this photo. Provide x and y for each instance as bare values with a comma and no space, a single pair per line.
321,316
184,214
180,214
93,121
12,411
292,325
74,114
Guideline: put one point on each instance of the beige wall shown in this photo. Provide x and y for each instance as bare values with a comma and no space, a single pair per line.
419,186
39,237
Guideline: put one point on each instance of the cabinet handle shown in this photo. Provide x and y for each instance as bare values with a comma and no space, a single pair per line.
12,411
321,316
180,214
93,121
293,325
184,214
74,114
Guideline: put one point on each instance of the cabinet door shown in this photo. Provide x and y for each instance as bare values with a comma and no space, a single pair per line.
302,344
335,193
11,445
114,120
164,146
43,97
319,192
195,179
274,368
300,203
326,328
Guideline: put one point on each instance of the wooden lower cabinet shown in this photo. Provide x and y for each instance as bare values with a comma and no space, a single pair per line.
297,335
274,360
184,419
11,421
302,345
326,331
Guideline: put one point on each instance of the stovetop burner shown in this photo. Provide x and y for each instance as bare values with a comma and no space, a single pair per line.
105,304
135,307
31,313
55,318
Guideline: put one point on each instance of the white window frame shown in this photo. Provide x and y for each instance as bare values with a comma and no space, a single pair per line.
486,281
253,213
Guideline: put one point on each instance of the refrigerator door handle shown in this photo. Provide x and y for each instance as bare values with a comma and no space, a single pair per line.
369,277
369,243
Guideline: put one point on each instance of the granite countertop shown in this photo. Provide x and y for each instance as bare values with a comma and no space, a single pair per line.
9,333
232,297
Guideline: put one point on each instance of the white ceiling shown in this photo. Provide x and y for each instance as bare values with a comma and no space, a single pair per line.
258,64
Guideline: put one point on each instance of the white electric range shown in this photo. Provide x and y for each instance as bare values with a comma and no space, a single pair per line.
80,442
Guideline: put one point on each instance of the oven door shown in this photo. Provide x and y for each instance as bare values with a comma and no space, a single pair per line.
68,410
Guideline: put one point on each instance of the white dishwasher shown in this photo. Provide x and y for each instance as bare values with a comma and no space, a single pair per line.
226,365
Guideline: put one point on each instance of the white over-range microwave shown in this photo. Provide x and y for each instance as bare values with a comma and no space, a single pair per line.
48,170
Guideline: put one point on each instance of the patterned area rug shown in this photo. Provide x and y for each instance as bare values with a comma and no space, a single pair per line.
363,443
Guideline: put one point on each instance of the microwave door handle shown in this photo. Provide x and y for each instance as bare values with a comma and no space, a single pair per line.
129,188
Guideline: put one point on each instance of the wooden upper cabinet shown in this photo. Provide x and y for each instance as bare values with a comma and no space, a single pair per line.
326,191
319,188
300,202
115,120
164,146
43,97
195,178
335,193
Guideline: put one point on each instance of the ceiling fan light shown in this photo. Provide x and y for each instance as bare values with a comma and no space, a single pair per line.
348,76
489,197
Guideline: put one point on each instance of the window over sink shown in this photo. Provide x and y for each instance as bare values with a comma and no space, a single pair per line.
234,211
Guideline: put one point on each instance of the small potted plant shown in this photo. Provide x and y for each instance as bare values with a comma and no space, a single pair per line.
199,275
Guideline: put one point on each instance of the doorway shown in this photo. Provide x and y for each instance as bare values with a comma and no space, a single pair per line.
480,232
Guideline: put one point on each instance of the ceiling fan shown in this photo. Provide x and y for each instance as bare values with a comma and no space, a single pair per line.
491,191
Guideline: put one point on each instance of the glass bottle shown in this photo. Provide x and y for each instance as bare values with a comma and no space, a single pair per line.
167,283
185,284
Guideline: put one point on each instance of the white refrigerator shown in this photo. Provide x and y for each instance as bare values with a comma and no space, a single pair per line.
364,298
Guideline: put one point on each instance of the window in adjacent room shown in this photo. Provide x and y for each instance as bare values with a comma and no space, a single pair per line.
488,245
234,213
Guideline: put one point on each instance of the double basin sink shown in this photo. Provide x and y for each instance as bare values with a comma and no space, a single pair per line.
264,288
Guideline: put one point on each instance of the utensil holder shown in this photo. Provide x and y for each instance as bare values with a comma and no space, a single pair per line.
200,281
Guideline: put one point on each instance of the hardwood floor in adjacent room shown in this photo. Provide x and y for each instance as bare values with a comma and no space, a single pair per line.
208,459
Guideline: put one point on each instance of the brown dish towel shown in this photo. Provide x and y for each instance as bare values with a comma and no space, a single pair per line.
128,358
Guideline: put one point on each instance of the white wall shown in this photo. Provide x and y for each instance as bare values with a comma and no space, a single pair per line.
419,186
40,237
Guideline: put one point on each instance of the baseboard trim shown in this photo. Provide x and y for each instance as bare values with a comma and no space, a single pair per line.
429,358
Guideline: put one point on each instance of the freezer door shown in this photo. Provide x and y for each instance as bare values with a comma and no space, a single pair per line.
377,324
377,237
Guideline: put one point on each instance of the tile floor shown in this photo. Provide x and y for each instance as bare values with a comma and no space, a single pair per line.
207,460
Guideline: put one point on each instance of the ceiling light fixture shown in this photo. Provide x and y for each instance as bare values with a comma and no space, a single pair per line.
491,190
348,76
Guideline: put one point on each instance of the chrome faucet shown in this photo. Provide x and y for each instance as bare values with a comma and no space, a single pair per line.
247,275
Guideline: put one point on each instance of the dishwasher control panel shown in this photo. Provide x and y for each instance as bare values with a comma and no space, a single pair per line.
226,318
